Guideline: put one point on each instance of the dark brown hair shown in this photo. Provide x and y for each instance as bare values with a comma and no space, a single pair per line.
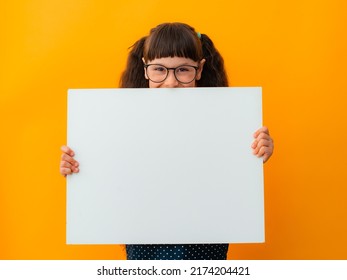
170,40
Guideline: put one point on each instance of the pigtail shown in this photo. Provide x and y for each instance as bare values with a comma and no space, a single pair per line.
213,74
133,75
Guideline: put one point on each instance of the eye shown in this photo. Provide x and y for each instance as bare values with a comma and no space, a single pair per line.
158,68
183,69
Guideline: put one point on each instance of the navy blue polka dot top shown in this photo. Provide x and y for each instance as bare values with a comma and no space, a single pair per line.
177,252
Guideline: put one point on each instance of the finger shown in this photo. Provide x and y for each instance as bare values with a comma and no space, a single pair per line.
71,160
260,144
262,152
263,135
67,150
75,170
66,164
265,152
263,140
263,129
257,144
65,171
254,144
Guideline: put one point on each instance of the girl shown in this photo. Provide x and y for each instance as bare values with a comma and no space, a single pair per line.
174,55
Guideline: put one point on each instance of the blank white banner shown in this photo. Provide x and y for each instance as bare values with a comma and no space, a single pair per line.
165,166
162,270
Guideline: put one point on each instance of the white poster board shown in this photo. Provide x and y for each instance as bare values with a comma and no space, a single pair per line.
165,166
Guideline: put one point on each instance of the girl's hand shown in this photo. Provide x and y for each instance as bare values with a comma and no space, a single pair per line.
263,145
68,165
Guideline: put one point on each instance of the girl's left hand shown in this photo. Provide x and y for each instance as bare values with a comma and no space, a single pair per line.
263,145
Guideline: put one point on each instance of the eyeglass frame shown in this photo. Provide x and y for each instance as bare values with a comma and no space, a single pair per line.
174,71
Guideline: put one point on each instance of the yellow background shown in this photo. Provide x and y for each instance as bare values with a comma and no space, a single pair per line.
296,50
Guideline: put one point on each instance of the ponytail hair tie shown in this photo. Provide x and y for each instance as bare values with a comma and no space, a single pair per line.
199,35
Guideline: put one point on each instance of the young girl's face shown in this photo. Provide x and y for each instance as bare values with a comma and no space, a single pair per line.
185,73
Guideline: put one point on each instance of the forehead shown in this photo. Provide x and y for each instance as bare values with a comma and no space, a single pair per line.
173,61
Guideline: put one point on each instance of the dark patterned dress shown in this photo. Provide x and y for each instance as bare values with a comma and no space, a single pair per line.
177,252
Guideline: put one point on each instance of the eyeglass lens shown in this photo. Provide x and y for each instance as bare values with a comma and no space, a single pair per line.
158,73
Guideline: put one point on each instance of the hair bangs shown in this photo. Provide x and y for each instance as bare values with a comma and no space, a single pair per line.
170,40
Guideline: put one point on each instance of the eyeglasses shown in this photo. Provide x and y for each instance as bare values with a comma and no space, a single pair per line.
157,73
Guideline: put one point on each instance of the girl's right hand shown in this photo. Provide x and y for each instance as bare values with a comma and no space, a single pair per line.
68,165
